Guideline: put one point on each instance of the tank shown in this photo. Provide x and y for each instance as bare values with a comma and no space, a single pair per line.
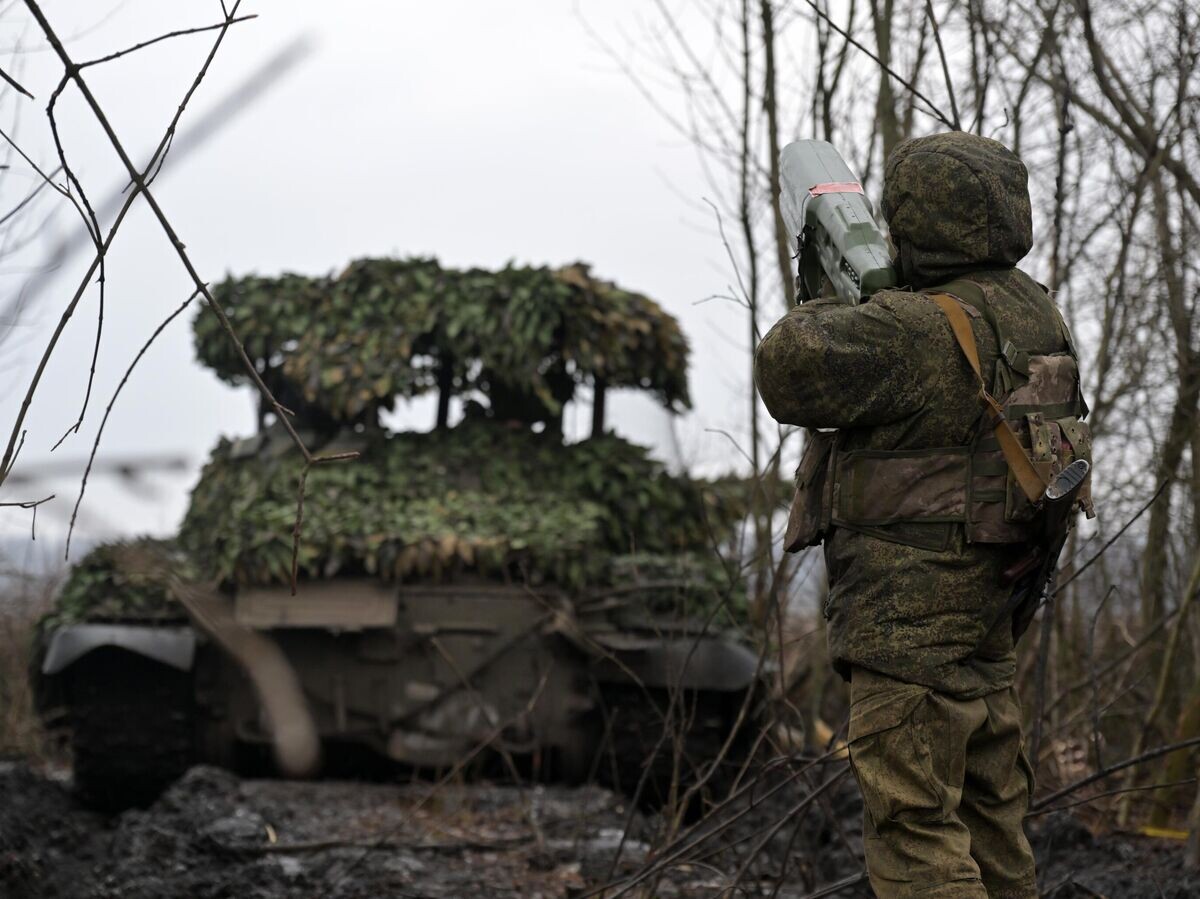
478,596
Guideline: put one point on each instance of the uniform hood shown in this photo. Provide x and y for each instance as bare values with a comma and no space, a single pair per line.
955,203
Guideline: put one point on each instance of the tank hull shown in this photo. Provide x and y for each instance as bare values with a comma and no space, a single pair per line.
471,678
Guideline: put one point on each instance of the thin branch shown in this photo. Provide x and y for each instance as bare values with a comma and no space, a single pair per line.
933,109
1115,537
27,503
937,36
28,199
1103,773
165,223
1107,793
12,83
112,402
831,889
163,37
9,456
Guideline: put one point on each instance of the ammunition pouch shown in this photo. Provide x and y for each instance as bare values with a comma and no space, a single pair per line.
809,517
957,485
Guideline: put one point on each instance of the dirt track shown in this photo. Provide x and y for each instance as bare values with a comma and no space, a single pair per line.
213,835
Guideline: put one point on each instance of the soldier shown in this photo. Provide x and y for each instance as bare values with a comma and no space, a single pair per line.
922,515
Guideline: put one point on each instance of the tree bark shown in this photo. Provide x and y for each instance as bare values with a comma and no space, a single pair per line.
783,240
885,104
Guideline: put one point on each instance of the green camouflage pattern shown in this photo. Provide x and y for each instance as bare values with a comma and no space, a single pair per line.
338,349
108,585
945,789
955,203
475,499
912,601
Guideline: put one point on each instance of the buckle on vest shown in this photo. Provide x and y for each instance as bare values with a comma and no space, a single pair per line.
1018,360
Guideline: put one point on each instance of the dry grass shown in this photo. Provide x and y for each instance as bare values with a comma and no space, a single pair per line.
22,602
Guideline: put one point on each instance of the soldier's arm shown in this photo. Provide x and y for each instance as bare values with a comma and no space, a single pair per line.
829,365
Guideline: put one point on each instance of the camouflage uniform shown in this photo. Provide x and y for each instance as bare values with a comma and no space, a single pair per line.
935,736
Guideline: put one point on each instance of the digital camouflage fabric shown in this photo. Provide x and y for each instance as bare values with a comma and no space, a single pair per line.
955,204
943,822
915,601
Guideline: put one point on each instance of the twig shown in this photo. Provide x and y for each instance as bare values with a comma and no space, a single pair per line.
938,114
375,846
29,504
792,815
1113,664
1117,792
1115,537
12,83
298,525
28,199
26,503
112,402
163,37
139,181
854,880
91,219
1113,769
69,311
937,37
631,882
165,223
1165,669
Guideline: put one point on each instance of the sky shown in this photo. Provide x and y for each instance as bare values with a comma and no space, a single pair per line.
479,132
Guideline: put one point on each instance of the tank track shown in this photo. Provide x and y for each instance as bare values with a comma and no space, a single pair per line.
132,723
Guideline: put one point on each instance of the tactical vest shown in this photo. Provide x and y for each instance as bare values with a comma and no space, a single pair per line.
991,486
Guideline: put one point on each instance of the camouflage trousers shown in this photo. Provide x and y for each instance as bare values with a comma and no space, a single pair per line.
945,789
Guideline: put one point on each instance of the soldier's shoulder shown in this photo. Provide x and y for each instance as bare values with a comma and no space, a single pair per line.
913,309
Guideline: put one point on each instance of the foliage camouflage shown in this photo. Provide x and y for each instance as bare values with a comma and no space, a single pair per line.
480,497
485,498
103,586
351,344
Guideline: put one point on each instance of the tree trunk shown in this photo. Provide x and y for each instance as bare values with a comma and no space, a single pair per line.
1182,425
599,390
445,388
885,105
783,240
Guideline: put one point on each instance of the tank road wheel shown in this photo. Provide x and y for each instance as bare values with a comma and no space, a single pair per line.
132,725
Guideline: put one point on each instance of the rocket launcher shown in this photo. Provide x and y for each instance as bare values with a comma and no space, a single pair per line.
837,236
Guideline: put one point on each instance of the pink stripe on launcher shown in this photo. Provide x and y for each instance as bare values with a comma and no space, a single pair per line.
835,187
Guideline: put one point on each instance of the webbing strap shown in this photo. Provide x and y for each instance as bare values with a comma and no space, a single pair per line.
1033,484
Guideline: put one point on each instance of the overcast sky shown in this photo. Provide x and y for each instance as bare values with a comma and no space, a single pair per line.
479,132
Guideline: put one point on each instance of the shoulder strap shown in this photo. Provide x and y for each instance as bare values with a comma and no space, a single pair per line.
1030,479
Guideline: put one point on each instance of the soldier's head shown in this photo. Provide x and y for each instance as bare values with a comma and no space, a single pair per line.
955,203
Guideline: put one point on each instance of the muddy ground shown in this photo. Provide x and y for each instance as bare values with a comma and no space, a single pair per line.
215,835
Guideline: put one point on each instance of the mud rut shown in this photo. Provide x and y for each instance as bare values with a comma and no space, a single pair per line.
214,835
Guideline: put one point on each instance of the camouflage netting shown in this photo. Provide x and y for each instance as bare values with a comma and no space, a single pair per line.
478,498
108,585
387,328
487,498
